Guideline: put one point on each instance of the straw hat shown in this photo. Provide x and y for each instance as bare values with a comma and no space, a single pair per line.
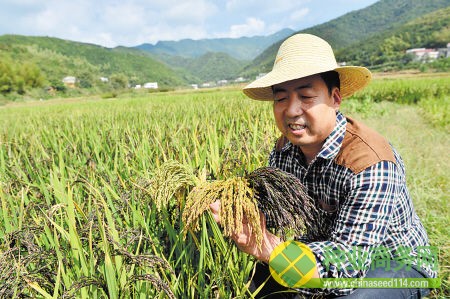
303,55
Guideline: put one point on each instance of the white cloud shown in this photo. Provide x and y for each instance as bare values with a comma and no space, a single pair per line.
252,26
238,5
131,22
299,14
191,12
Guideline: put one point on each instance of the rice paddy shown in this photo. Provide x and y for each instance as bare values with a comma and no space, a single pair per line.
93,191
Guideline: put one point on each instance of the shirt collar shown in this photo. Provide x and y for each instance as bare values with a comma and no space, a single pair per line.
333,142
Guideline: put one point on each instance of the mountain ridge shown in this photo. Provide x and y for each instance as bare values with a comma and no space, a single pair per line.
242,48
354,27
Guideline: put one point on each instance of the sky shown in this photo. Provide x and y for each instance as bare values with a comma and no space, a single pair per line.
112,23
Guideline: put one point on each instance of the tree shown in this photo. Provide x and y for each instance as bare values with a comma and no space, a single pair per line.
7,77
85,79
31,75
119,81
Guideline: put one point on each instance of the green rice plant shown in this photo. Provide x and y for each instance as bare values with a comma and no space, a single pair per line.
75,176
437,111
169,179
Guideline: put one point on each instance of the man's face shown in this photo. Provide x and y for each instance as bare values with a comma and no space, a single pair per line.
305,112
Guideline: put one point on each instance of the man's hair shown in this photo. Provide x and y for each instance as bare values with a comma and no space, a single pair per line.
331,79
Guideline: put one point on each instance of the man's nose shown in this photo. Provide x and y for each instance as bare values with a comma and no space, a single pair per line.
294,105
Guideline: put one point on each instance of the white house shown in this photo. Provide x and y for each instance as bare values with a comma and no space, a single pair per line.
69,81
151,85
421,54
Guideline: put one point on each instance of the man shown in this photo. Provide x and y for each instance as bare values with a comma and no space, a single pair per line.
354,174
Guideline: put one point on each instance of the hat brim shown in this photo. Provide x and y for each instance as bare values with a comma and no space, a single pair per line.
352,79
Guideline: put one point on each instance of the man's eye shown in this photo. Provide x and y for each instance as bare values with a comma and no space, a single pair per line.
306,98
279,99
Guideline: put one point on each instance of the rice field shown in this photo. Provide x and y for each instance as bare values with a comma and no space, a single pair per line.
87,213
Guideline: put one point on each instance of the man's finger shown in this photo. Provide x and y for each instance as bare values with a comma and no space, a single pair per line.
215,210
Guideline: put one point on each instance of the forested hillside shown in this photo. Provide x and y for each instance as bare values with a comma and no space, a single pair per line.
381,19
212,66
387,49
48,60
377,36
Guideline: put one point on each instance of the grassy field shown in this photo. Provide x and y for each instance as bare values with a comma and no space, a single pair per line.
80,217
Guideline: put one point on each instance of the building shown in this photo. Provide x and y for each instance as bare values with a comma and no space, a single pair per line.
423,54
151,85
69,81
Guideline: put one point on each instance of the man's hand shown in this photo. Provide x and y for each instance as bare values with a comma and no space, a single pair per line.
246,241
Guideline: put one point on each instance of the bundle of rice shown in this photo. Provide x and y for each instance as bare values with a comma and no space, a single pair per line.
284,201
279,195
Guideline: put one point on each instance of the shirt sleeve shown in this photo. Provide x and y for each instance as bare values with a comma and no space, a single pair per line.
360,226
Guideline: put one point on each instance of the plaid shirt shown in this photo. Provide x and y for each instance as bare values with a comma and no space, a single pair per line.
370,213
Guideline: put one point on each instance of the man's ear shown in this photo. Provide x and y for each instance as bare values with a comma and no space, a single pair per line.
337,98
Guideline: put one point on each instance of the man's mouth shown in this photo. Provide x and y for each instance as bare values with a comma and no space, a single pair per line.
296,127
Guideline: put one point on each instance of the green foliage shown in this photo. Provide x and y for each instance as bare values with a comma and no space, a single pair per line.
51,59
437,111
119,81
19,77
386,50
405,90
78,217
214,66
440,65
359,37
7,77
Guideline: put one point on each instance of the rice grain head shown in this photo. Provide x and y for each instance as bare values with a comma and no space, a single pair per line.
237,203
285,202
168,180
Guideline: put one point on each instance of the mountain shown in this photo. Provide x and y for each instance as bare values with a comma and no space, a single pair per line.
243,48
428,31
57,58
214,67
211,66
356,26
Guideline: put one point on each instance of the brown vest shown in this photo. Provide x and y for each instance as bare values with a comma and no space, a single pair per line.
362,147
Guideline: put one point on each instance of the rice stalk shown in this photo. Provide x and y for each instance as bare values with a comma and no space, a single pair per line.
279,195
156,282
169,179
285,202
237,203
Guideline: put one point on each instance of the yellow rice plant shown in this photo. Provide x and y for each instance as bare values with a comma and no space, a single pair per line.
279,195
169,180
237,201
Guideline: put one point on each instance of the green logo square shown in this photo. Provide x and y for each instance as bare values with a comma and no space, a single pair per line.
279,263
291,276
304,265
292,251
